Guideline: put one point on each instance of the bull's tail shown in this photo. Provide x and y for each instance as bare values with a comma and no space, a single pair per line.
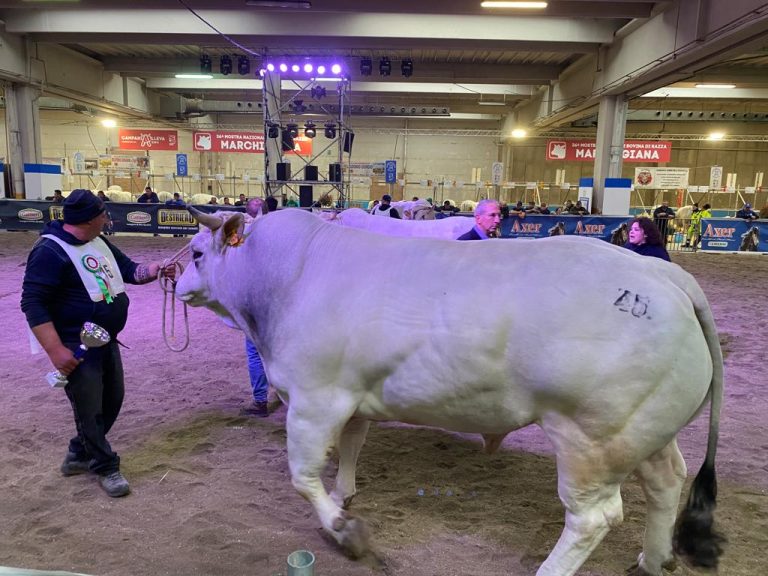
695,539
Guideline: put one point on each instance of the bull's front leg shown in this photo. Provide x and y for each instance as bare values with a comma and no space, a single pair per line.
313,428
350,443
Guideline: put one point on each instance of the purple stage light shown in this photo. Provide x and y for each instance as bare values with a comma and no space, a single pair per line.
283,67
308,67
271,67
262,72
295,68
336,69
321,70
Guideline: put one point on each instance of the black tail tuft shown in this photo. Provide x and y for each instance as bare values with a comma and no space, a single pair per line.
695,540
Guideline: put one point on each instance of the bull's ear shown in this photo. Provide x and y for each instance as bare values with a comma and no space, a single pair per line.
231,232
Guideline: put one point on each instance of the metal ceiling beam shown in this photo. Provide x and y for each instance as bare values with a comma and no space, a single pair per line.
718,93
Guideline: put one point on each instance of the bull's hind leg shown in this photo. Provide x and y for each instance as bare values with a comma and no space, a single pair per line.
350,444
313,430
662,477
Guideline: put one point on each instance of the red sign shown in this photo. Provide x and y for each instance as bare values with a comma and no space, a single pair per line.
245,142
584,150
148,139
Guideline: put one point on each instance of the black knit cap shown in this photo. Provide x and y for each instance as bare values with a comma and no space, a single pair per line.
82,206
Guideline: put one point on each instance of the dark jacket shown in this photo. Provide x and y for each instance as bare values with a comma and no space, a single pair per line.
52,290
649,250
152,199
471,235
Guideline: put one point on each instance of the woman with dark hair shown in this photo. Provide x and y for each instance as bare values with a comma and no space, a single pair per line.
645,239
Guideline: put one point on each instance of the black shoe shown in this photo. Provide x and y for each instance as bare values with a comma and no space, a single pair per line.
257,409
115,485
73,465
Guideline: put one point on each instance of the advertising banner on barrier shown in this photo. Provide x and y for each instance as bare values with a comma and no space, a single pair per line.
634,150
734,235
605,228
140,139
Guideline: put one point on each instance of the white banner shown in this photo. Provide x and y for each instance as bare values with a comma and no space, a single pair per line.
670,178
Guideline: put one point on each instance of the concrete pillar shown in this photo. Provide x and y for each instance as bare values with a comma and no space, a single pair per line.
611,128
22,124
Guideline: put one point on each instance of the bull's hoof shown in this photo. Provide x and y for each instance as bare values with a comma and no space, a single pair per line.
353,537
636,570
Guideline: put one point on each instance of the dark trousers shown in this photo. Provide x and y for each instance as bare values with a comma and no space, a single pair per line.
96,391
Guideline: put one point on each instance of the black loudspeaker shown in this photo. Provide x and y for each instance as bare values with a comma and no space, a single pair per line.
310,172
283,170
334,172
305,196
349,137
287,141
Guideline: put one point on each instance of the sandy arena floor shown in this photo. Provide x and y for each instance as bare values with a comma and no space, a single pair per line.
211,492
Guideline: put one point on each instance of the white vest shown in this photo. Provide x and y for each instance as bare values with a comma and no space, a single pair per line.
93,261
378,212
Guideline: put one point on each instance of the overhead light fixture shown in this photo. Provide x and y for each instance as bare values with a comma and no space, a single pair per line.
330,130
527,5
292,129
366,67
273,130
225,65
243,65
491,103
310,130
716,86
205,64
385,66
318,92
298,107
195,76
406,67
716,136
108,122
519,133
279,3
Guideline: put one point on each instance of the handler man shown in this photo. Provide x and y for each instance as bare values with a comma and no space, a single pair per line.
487,220
74,275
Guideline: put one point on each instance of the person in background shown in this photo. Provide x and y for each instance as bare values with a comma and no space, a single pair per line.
73,276
103,197
746,213
530,208
487,220
373,206
518,210
176,201
213,200
148,197
415,199
241,201
544,209
690,231
385,208
645,239
58,197
661,217
259,383
226,201
578,209
696,218
448,209
271,202
565,208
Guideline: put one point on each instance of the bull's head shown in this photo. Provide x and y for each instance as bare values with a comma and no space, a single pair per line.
201,284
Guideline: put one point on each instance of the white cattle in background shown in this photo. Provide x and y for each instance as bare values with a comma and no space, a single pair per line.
468,206
429,332
414,209
164,196
446,228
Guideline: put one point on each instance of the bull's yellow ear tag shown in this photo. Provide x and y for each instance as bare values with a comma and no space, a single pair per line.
235,239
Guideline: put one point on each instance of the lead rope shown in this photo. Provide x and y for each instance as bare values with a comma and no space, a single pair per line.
168,286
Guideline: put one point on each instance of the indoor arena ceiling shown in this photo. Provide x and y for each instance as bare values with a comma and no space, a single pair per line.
470,59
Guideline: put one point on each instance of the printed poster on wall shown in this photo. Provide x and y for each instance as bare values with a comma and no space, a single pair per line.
242,142
139,139
584,150
650,177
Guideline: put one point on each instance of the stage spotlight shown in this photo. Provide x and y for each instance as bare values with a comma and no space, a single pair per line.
295,68
321,70
330,130
385,66
206,67
308,68
366,67
225,65
310,130
283,67
298,106
317,92
270,67
243,66
293,130
336,69
273,130
406,67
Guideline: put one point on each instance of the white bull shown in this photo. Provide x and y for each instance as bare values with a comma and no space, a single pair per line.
414,209
627,355
446,228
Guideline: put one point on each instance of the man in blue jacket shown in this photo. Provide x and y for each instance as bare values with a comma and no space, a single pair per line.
487,220
73,276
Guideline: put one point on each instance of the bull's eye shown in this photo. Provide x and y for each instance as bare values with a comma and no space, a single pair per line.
196,255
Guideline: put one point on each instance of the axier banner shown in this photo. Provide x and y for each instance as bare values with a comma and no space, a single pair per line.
585,150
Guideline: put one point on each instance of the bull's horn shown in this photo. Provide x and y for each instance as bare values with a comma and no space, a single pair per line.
206,220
